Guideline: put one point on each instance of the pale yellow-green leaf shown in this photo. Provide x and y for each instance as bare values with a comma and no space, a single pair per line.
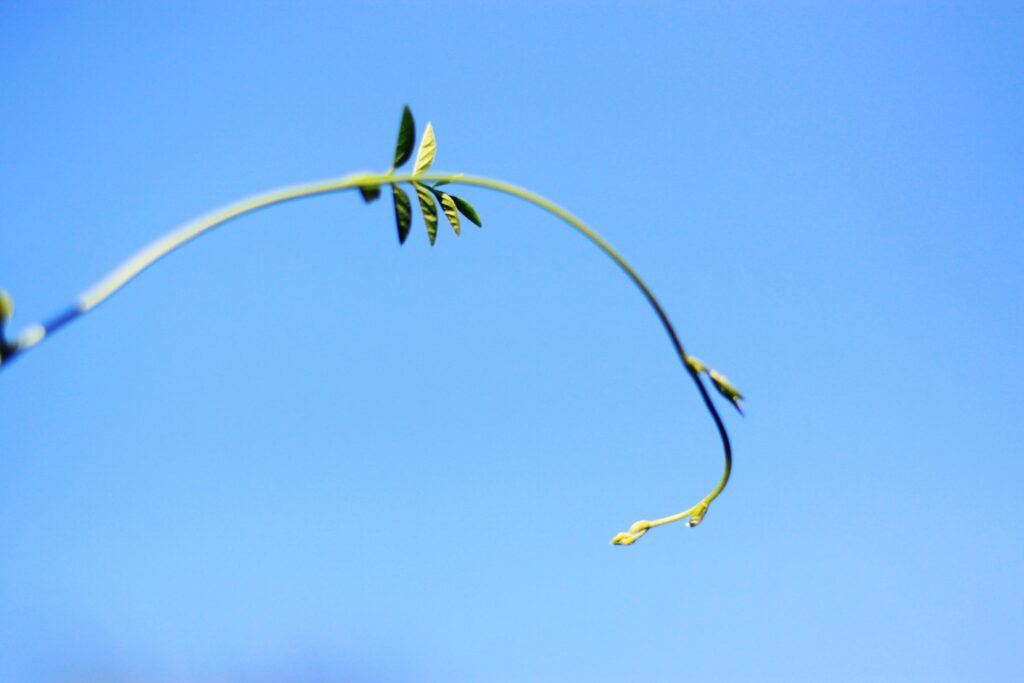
450,211
425,155
429,208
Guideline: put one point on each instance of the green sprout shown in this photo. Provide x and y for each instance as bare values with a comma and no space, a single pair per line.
426,186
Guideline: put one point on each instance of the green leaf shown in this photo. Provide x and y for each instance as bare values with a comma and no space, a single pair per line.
370,193
726,389
428,148
403,212
450,211
406,138
429,208
466,209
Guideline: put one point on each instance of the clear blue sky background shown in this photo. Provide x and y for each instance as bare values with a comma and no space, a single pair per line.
296,452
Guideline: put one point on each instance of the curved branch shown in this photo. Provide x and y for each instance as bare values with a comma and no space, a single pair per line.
148,256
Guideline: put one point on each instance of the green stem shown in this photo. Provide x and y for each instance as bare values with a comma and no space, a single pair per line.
134,266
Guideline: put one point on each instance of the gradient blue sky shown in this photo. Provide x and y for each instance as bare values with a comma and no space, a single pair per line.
295,452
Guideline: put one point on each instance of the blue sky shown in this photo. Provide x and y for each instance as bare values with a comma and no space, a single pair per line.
295,451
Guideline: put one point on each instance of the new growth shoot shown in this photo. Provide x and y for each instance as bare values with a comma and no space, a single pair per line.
427,187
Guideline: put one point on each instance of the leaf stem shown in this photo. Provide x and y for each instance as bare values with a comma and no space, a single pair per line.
149,255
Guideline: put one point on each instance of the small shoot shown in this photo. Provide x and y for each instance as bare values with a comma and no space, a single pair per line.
718,380
451,211
726,389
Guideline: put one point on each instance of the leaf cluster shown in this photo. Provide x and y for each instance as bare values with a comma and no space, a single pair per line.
428,196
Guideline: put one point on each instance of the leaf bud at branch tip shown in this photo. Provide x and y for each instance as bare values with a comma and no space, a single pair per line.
694,364
721,384
698,515
726,389
633,535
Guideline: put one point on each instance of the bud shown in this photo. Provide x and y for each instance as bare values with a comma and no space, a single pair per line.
633,535
726,389
698,515
694,364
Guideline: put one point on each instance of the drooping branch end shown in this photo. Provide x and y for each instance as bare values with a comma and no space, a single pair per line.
634,534
693,517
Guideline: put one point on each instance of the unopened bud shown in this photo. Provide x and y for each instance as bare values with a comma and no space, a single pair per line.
698,515
726,389
695,365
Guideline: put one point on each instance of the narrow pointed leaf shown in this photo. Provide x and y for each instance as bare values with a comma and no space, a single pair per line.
370,193
403,212
425,155
406,138
429,208
450,211
467,210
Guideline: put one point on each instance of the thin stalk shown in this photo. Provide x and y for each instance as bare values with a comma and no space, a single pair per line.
139,262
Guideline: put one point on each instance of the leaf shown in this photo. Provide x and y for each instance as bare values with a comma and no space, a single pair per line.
370,193
429,208
6,307
450,211
466,209
428,148
406,138
403,212
726,389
